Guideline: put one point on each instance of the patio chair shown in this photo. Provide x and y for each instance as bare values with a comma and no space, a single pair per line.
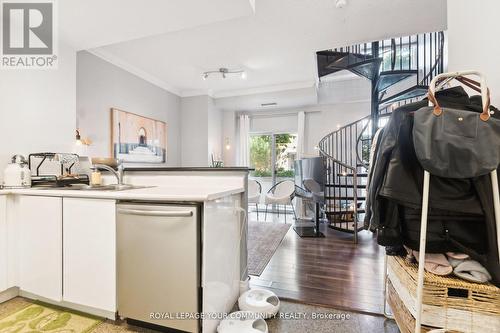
281,194
254,192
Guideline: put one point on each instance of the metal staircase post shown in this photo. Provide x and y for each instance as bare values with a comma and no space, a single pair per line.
375,92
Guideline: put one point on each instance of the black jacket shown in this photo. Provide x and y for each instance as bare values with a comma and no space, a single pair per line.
461,216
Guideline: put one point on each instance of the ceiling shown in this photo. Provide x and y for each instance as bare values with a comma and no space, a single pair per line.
275,43
92,23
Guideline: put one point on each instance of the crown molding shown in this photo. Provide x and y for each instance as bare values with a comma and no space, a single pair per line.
197,92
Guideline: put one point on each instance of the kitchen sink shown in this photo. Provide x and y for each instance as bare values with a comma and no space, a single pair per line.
83,187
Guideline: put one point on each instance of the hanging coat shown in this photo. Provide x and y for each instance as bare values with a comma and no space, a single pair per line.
461,216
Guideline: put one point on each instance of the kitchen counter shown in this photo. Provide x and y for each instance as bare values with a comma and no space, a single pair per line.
50,231
177,192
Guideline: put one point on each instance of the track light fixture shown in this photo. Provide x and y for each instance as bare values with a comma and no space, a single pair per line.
224,72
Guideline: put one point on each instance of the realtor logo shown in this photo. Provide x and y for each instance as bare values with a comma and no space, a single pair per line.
28,39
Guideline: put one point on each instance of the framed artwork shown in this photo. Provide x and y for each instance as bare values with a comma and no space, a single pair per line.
137,139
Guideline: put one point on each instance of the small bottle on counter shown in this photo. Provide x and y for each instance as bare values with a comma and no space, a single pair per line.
26,172
96,178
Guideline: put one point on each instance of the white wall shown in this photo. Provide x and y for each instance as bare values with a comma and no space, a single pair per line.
37,108
102,86
473,33
214,131
194,130
201,131
319,124
229,136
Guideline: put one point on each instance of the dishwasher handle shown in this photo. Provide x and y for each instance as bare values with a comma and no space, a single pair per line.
166,213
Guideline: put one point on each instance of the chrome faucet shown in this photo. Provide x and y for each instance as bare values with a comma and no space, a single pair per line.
117,173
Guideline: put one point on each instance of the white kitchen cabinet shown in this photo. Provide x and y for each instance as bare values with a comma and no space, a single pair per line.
40,246
3,243
89,265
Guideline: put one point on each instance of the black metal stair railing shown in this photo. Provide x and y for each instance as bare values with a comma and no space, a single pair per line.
345,185
400,70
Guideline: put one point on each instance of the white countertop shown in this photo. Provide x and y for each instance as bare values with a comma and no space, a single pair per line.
186,192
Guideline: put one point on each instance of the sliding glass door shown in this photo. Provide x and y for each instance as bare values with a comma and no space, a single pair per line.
272,155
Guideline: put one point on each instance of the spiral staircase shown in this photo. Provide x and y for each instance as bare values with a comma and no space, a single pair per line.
400,70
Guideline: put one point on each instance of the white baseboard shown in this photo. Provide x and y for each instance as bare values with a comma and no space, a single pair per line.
69,305
9,294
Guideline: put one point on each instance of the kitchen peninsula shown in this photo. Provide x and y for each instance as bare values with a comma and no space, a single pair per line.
89,249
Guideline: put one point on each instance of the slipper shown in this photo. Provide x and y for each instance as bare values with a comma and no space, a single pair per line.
455,262
473,271
436,263
457,255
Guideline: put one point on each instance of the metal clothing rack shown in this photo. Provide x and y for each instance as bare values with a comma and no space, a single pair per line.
425,203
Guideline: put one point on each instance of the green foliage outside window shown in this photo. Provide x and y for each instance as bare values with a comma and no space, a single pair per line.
260,155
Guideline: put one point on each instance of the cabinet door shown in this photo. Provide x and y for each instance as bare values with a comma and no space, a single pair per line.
40,245
89,252
3,243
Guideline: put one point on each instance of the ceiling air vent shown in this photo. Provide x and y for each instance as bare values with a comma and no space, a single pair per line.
266,105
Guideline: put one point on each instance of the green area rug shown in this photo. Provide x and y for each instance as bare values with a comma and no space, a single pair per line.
41,318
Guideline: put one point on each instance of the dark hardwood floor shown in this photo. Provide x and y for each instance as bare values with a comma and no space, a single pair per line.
329,271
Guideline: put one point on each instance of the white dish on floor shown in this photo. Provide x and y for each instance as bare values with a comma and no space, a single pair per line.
263,302
243,322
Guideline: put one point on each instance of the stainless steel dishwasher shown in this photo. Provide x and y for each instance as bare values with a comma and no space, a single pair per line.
158,263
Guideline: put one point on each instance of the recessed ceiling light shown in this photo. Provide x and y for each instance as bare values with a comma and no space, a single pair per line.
267,105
